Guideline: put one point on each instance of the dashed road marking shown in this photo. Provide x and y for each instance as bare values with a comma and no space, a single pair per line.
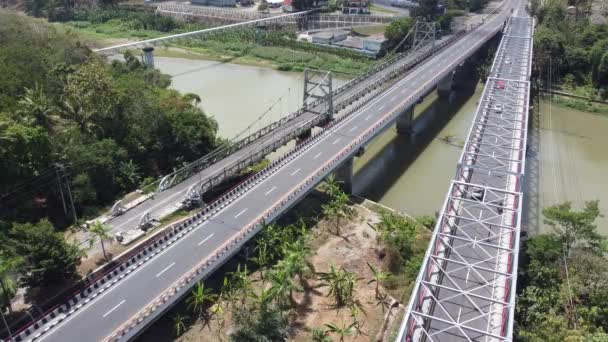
114,308
241,213
205,239
269,191
164,270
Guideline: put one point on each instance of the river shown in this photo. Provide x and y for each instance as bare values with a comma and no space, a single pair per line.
412,173
572,160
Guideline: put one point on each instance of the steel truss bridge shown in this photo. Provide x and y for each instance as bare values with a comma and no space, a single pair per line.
123,300
466,287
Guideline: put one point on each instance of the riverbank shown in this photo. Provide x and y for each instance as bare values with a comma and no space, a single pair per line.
580,102
278,50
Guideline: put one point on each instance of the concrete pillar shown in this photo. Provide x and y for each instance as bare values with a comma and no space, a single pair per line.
444,87
404,121
149,56
344,175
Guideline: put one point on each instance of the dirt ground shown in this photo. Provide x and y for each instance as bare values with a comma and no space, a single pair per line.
351,250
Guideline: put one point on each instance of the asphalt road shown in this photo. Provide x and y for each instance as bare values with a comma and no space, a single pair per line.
106,312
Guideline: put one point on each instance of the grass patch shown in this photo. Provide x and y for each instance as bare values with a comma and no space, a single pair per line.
581,105
379,9
370,30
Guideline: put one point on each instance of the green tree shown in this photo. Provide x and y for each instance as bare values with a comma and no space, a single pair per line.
427,8
282,286
337,209
332,186
296,257
101,232
397,30
8,268
37,110
200,297
378,277
48,258
574,227
341,284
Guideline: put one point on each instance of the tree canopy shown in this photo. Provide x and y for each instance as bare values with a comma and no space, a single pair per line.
111,125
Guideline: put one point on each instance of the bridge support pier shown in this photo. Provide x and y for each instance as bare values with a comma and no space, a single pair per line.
444,87
344,175
404,121
304,135
148,57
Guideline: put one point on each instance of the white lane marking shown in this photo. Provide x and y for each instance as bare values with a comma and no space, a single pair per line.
367,118
241,213
352,129
114,308
296,171
381,107
164,270
337,140
459,312
269,191
466,281
317,156
205,239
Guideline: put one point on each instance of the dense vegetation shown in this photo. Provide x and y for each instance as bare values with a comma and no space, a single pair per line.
569,49
111,126
564,282
278,48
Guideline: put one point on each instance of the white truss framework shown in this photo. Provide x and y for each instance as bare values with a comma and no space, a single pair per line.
465,290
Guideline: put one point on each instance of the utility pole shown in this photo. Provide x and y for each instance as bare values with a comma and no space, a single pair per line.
63,180
8,329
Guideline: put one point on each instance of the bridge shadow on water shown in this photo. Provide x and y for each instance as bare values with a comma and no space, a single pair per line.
383,170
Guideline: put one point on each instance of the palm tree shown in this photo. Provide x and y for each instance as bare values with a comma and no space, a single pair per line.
296,258
8,266
342,332
37,108
263,257
332,186
240,285
102,232
199,298
341,284
379,276
337,208
84,121
263,299
282,286
179,324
